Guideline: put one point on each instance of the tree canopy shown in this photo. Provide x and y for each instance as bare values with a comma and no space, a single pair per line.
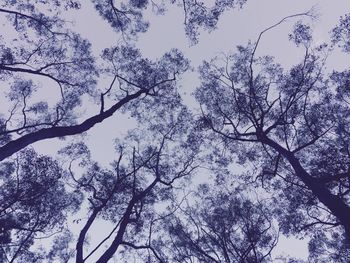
216,172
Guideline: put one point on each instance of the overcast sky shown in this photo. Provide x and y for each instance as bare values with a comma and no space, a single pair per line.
235,27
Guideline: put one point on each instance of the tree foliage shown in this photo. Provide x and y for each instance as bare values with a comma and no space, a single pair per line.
222,226
34,203
272,140
276,117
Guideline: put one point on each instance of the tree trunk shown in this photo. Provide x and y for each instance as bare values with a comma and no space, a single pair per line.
334,203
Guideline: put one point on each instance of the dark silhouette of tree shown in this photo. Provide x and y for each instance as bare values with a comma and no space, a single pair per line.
290,123
136,77
148,165
143,175
127,16
341,33
62,58
220,226
42,53
34,204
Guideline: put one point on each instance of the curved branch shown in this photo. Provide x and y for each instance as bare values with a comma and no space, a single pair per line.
53,132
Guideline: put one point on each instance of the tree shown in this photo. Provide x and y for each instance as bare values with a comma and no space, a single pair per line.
221,226
34,204
127,17
289,127
44,54
290,123
147,168
152,79
142,176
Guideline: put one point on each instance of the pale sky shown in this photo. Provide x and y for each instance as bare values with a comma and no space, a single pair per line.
235,27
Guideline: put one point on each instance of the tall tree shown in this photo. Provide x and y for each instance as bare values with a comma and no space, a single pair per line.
218,225
143,175
34,204
41,55
289,123
148,165
42,52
